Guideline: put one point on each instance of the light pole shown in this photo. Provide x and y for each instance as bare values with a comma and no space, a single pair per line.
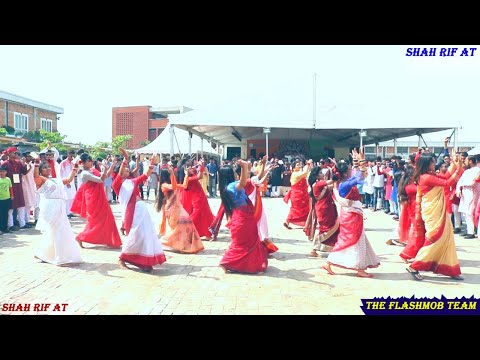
266,131
362,133
314,100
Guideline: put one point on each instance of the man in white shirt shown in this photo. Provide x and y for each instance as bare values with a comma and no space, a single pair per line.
469,192
66,167
378,184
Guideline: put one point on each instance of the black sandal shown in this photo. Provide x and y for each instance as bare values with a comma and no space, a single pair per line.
416,275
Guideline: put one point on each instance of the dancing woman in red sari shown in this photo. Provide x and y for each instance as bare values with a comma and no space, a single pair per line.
298,195
91,202
199,209
352,249
323,212
407,194
438,253
246,253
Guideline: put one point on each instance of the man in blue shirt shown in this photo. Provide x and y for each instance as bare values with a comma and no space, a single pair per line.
212,178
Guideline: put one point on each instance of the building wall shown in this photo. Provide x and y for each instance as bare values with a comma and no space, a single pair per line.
133,120
28,110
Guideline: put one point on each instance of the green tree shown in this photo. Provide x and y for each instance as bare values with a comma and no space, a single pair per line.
100,150
34,136
118,142
3,131
55,138
145,143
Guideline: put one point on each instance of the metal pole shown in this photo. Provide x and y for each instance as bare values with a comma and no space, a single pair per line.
361,140
190,143
266,144
394,146
314,100
201,147
171,140
455,139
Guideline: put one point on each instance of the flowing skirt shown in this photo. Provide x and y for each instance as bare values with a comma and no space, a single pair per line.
299,208
57,245
246,252
142,246
91,203
201,214
352,249
181,234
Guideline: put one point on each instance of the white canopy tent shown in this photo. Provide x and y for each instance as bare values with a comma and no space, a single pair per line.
474,151
182,141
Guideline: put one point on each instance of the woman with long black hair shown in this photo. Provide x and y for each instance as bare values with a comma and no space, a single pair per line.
352,249
323,211
176,228
246,252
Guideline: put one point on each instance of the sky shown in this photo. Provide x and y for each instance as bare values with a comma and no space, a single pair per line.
370,85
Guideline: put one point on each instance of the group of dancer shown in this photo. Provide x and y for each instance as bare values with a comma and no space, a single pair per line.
425,226
186,216
330,214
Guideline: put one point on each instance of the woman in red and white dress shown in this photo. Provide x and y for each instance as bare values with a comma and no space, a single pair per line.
91,202
142,247
252,189
352,249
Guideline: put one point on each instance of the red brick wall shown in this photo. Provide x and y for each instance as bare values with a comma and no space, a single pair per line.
2,112
133,121
29,110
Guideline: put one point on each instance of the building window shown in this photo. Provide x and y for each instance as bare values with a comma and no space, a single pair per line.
46,124
402,150
21,121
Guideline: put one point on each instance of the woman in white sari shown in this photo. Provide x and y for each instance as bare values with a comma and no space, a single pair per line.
142,247
57,245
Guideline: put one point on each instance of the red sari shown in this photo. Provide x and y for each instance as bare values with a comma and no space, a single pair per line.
246,252
91,202
199,209
407,226
326,212
300,203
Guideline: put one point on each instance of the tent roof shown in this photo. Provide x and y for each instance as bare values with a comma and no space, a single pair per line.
474,151
161,145
223,134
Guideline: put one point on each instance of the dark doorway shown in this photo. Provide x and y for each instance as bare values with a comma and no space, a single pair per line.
234,151
253,153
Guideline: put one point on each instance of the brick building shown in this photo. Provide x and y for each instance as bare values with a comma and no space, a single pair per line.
142,122
26,115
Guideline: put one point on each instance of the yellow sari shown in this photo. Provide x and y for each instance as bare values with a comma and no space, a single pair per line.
438,254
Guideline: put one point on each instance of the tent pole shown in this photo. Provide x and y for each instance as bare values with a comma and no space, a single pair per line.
190,143
171,139
201,148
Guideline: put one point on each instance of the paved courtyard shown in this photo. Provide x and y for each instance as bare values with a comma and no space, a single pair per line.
294,283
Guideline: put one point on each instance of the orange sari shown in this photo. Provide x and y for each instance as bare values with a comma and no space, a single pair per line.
177,229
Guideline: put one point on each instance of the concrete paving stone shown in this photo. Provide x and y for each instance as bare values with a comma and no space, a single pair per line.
194,284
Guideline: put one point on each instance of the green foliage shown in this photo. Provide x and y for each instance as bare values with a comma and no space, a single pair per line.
55,138
100,149
10,129
3,131
33,136
118,142
145,143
